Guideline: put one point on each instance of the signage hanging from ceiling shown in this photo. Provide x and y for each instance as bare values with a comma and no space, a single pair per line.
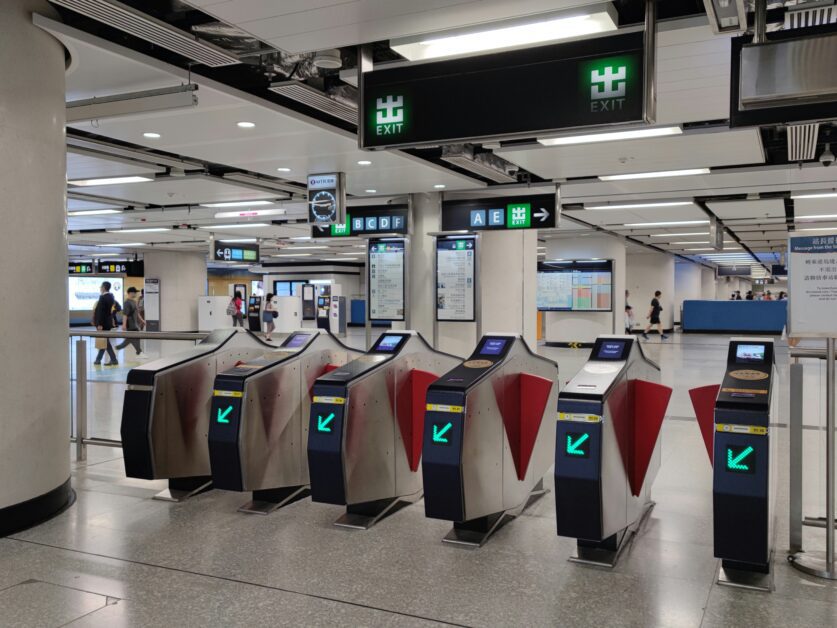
368,220
734,271
222,252
522,93
327,198
500,213
81,268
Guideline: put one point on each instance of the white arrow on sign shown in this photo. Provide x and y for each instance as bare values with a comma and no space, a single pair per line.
543,214
219,252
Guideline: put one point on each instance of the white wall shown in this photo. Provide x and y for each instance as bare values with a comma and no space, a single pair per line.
725,286
687,285
647,273
586,326
183,279
707,284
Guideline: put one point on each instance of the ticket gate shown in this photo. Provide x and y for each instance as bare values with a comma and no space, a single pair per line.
607,448
258,430
165,413
488,432
735,420
364,439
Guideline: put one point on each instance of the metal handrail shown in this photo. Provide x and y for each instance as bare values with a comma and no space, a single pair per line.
141,335
809,353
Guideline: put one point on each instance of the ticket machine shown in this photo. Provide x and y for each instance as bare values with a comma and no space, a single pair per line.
364,438
254,313
488,433
258,425
165,414
607,448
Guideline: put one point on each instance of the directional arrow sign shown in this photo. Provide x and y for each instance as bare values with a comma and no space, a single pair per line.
574,441
736,457
542,213
323,423
439,434
222,415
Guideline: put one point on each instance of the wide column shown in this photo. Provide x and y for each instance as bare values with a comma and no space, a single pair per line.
181,280
425,217
35,386
687,286
647,273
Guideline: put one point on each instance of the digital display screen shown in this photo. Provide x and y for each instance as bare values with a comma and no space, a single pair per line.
493,346
388,343
611,350
579,286
749,354
295,341
84,291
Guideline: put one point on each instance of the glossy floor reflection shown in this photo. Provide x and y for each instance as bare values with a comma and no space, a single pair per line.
117,558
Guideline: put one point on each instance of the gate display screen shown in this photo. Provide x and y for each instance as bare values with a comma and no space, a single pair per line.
749,354
388,344
493,346
296,341
611,350
740,459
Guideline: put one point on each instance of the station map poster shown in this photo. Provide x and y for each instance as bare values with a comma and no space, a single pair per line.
577,286
812,283
386,280
455,277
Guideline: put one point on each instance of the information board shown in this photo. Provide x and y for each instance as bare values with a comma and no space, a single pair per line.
455,279
152,304
581,285
386,280
812,283
500,213
84,291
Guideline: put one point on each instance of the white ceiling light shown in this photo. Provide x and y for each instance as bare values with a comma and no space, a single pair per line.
93,212
250,213
814,195
693,242
371,191
823,217
243,225
679,235
364,162
507,35
439,186
293,255
236,204
140,230
642,205
306,248
125,244
817,229
152,136
238,240
674,223
245,125
301,238
336,259
612,136
110,181
701,249
283,170
654,175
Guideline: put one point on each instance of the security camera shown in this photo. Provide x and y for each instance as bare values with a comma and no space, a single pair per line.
827,157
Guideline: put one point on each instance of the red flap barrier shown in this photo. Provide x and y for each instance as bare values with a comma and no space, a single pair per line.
522,399
650,404
411,398
328,368
703,401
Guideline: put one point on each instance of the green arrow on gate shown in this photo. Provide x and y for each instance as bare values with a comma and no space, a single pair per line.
322,424
222,416
735,463
573,447
439,434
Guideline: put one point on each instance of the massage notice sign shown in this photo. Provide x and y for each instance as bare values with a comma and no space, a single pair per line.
812,283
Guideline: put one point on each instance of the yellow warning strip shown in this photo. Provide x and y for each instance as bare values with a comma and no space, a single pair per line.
339,401
741,429
227,393
439,407
579,418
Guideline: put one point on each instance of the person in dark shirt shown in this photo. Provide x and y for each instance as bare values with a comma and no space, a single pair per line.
654,316
103,320
131,321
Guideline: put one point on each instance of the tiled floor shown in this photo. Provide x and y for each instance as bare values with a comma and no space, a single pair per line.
117,558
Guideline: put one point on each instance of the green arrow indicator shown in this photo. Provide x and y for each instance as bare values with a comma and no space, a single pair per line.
573,447
323,424
222,416
734,463
439,434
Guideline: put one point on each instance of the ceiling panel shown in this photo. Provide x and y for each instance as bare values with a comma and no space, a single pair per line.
87,167
815,207
176,190
754,209
620,217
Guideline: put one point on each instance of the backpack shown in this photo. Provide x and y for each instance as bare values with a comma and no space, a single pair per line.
231,309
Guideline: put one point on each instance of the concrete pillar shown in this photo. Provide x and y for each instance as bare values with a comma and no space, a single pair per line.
647,273
182,280
34,389
707,283
687,285
425,217
564,327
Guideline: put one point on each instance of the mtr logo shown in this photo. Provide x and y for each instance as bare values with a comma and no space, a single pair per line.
608,85
389,115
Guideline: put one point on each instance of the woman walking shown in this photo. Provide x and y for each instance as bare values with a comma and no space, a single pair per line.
268,314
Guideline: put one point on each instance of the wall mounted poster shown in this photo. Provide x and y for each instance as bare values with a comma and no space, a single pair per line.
386,280
812,283
455,275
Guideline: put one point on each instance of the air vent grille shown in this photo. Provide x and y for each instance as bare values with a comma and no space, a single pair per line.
314,98
150,29
802,141
814,16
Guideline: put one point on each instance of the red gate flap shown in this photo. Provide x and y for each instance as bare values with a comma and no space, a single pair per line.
534,395
328,368
703,401
410,400
650,404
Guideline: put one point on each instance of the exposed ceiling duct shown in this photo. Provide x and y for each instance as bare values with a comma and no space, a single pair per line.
802,141
231,38
487,165
334,105
812,14
150,29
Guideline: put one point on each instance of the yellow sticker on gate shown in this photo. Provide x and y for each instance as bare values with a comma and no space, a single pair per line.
228,393
338,401
440,407
579,417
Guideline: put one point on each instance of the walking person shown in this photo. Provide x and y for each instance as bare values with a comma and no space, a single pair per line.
103,320
131,321
234,309
654,316
629,315
268,314
141,307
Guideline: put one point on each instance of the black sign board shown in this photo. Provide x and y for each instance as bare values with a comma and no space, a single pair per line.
81,268
779,270
522,93
222,252
326,198
734,271
368,220
500,213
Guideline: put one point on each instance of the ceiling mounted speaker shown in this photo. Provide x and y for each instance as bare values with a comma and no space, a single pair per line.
328,59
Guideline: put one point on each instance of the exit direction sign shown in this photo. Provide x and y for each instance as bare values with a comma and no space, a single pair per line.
740,458
367,220
324,422
500,214
223,415
577,445
222,252
441,432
